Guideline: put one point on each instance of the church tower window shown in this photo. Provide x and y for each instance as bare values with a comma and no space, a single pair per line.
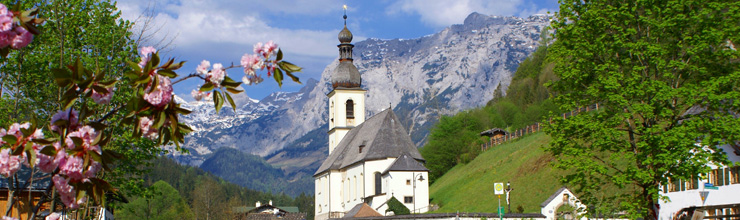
350,109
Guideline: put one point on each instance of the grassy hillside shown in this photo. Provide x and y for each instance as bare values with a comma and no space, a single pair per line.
469,187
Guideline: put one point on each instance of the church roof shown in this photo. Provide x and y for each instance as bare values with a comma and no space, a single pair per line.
362,210
382,136
406,163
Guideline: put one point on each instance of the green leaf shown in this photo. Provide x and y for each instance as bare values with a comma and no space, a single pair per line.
231,101
135,67
278,77
287,66
293,77
100,89
45,141
10,139
49,151
160,120
77,141
182,111
230,83
167,73
70,103
184,128
154,61
218,100
234,91
206,87
279,55
31,155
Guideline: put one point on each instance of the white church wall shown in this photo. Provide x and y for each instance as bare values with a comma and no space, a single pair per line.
353,186
321,194
402,186
373,166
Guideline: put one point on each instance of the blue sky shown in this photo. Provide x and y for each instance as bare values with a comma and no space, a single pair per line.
223,30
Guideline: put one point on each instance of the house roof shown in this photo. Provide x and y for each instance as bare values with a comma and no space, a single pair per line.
41,181
492,131
383,137
554,195
248,209
361,210
406,163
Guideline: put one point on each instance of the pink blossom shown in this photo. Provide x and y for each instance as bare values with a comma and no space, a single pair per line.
3,132
66,191
145,124
73,167
269,49
251,63
102,98
65,115
15,129
146,55
53,216
6,37
9,164
3,9
22,38
217,75
92,169
197,94
88,135
258,48
203,67
161,95
249,80
6,22
46,163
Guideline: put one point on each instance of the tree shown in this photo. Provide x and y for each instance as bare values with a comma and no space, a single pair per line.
665,75
90,126
209,201
162,202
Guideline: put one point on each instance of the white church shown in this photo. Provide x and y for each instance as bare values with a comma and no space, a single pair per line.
370,161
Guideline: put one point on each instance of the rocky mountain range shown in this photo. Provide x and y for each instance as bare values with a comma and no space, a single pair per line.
422,79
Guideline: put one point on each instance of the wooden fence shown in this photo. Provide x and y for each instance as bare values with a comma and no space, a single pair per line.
536,127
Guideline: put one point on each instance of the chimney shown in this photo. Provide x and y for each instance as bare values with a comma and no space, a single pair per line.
270,202
258,204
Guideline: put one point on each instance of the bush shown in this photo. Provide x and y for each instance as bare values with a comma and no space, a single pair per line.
397,207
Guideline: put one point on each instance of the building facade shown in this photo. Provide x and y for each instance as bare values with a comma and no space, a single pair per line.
370,160
715,194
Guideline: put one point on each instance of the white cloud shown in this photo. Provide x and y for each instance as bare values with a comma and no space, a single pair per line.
442,13
200,23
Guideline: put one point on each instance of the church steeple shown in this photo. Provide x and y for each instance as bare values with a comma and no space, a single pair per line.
347,99
346,74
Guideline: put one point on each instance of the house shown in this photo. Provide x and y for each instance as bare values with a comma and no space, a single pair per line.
27,194
563,204
711,195
370,161
267,212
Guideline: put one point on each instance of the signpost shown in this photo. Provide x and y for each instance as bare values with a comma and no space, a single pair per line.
498,189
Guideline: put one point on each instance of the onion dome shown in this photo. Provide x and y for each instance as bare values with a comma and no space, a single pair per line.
346,75
345,36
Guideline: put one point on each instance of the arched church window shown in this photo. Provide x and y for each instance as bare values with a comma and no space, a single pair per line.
378,184
350,109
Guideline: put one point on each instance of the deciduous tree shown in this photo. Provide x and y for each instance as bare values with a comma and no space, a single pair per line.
665,75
